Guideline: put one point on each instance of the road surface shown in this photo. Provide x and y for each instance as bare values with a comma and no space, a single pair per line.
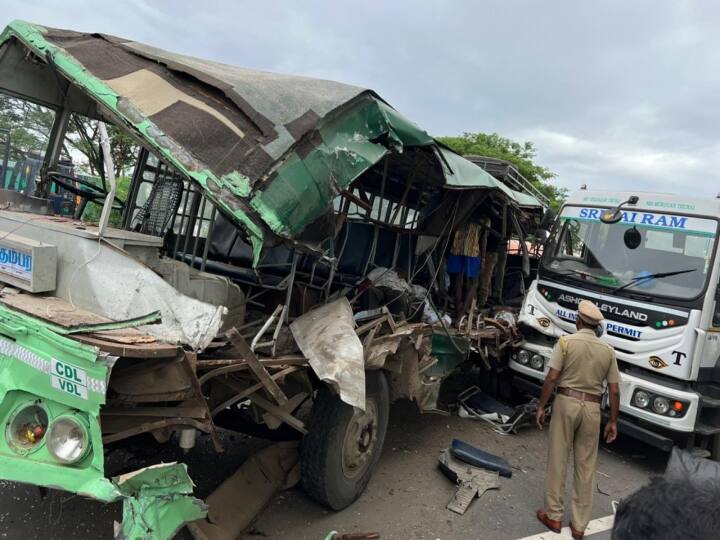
406,497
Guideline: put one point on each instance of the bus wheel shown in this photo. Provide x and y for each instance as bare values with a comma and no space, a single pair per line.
344,444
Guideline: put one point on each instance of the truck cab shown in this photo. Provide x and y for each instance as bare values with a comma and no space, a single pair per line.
648,261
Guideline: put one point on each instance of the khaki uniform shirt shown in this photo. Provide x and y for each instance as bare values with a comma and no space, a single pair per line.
584,362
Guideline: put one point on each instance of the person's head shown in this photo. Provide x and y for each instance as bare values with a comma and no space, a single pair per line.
588,316
670,509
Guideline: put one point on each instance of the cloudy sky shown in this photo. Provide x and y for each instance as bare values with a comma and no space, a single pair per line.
614,94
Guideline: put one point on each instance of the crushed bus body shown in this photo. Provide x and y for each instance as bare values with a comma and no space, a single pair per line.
229,283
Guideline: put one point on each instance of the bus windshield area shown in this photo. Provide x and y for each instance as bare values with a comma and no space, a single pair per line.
655,254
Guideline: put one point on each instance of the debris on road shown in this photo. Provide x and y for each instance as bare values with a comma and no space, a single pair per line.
600,491
479,458
472,481
352,536
157,501
478,405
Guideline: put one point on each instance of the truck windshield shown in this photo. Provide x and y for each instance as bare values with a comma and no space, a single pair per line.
654,253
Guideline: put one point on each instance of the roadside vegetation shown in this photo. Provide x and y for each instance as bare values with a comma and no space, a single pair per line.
522,155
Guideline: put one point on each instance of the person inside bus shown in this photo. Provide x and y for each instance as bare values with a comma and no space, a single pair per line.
494,243
463,265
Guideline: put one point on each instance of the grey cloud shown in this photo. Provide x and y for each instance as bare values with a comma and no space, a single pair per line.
612,92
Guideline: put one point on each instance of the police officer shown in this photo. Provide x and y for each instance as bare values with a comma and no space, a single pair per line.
579,365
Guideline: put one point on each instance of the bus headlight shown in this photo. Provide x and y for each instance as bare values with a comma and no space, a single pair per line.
68,440
537,362
523,357
27,428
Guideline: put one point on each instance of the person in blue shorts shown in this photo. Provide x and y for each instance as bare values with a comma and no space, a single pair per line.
463,265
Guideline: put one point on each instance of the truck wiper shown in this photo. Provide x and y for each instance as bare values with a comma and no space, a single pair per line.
601,280
570,271
639,279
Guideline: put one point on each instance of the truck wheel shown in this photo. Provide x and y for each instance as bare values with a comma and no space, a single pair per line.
344,444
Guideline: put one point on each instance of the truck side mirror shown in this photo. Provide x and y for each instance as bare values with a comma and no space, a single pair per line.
614,215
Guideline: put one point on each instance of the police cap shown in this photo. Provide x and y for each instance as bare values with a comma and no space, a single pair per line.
589,313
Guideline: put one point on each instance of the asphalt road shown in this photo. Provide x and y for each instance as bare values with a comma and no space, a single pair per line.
406,497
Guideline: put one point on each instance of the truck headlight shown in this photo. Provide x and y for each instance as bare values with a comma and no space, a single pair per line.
537,361
27,428
641,399
661,405
67,440
665,406
523,357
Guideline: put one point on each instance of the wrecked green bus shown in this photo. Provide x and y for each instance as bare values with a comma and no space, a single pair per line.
223,282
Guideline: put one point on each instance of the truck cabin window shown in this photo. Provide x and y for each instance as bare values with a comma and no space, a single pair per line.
572,243
669,256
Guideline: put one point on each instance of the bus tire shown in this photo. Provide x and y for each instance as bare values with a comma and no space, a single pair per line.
343,444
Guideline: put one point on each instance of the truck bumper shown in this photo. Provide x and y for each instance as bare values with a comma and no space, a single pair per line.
628,385
631,383
626,427
631,429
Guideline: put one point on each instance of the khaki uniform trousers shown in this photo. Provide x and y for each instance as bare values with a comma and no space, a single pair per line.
574,425
486,274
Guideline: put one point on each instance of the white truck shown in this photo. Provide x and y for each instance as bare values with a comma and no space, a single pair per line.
649,263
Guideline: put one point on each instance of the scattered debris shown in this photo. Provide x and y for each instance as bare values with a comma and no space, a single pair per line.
597,485
352,536
157,501
479,458
472,481
480,406
327,338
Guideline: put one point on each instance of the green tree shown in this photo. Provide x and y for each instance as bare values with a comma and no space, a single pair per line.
522,155
28,124
83,136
